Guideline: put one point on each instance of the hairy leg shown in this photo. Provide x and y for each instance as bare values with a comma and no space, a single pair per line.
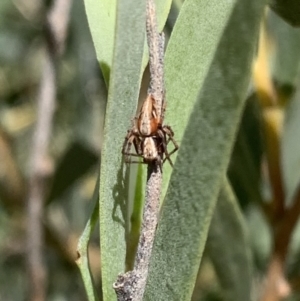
169,132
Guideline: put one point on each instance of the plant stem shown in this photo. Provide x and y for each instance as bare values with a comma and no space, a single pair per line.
277,286
156,43
150,219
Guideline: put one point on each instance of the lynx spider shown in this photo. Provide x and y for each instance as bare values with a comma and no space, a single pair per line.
149,136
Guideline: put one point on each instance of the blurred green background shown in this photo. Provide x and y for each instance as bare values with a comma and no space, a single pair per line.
74,147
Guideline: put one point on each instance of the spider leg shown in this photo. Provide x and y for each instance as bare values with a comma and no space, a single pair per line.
169,132
130,139
164,143
138,146
127,142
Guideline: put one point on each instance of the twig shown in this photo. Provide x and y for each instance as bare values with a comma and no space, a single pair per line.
272,131
56,24
156,43
277,286
286,227
131,285
150,219
268,99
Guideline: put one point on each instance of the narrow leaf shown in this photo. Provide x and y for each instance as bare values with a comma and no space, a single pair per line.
290,148
229,248
162,10
101,16
245,164
122,98
136,215
286,57
82,248
211,50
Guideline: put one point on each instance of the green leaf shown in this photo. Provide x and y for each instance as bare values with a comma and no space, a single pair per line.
245,163
286,57
82,248
162,11
289,10
122,98
136,215
101,16
290,148
210,54
229,248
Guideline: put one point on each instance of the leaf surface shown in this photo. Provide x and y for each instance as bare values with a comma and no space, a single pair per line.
286,57
290,148
101,16
122,98
208,66
245,164
228,247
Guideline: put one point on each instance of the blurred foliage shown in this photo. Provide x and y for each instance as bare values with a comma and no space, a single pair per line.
75,147
271,110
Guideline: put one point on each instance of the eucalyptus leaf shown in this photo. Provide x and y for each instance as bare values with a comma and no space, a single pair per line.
208,66
286,57
82,247
228,247
290,148
136,215
122,98
289,10
245,163
197,39
101,16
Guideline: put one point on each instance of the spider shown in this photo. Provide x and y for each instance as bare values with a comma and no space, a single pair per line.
148,136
